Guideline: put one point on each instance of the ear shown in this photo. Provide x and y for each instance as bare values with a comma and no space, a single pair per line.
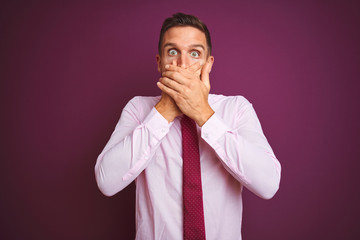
211,60
158,61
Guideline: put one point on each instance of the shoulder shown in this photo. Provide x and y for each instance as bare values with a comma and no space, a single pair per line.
233,110
144,100
140,106
235,101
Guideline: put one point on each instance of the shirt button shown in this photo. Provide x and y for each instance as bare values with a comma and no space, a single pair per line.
206,135
163,130
146,157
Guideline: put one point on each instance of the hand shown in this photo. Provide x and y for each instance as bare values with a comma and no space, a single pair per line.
167,107
189,90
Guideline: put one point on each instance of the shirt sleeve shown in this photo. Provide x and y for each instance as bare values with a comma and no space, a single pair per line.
130,148
244,150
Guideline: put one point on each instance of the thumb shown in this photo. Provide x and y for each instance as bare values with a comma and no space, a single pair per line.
205,71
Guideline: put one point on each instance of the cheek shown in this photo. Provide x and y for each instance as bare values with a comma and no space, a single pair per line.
200,60
168,60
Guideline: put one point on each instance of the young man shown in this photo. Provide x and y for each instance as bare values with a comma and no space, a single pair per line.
148,146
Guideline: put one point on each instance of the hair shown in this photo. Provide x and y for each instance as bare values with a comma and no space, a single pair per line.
181,19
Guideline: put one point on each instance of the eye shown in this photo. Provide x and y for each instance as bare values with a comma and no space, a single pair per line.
172,52
195,54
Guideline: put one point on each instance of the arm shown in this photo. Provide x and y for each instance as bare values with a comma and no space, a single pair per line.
244,150
130,148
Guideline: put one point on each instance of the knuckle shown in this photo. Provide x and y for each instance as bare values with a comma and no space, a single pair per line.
162,81
165,74
167,82
181,70
172,76
187,91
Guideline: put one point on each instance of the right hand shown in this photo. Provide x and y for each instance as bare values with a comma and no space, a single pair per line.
167,106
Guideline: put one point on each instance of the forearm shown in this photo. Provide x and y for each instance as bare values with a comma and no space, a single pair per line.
118,165
253,163
246,154
129,150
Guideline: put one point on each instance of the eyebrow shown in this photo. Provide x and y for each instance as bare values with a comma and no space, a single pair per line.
191,46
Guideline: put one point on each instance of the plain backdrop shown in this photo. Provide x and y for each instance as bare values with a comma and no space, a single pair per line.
67,68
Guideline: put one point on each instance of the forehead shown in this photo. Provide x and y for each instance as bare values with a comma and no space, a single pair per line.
184,36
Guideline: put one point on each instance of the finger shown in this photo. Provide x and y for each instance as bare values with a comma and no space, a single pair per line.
175,76
192,68
170,83
205,71
195,67
181,74
170,92
173,67
173,63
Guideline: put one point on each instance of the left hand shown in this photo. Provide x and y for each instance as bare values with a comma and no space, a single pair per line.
189,90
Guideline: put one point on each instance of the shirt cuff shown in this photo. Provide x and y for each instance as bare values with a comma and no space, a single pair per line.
213,129
157,124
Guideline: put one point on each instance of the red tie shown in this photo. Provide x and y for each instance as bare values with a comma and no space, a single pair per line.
194,226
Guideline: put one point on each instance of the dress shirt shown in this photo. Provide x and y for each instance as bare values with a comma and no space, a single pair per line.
234,153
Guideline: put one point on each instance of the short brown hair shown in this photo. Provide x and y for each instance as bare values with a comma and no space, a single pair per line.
181,19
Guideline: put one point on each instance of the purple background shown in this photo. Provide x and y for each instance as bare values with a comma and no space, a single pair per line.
68,69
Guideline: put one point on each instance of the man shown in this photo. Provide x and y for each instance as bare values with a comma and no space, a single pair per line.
147,145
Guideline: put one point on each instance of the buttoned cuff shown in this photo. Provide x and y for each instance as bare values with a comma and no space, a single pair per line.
157,124
213,129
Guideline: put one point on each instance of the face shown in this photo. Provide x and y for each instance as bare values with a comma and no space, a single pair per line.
183,46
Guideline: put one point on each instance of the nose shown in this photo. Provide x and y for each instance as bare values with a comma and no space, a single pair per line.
183,60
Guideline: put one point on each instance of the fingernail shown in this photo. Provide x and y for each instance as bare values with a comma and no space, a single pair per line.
166,66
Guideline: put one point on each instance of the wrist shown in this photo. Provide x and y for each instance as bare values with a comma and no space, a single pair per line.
168,109
204,116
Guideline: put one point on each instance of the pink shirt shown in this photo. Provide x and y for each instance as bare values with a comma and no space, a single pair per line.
234,153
